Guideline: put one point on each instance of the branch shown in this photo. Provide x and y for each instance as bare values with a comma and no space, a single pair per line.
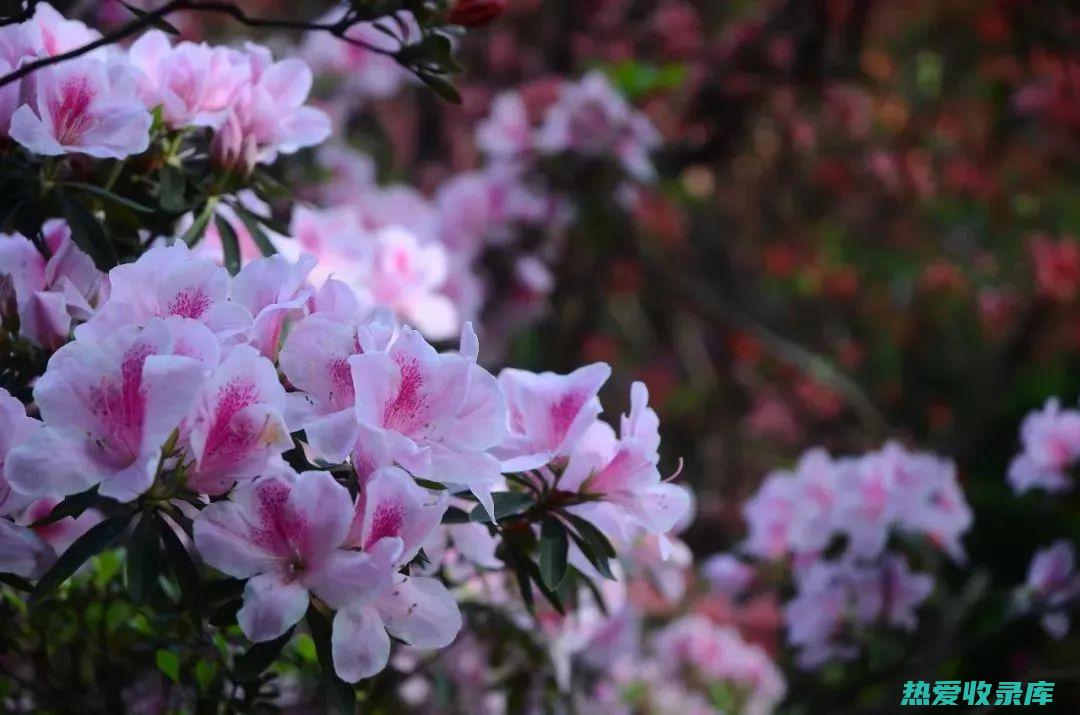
706,303
338,29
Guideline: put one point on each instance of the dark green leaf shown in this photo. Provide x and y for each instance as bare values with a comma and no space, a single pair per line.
16,582
230,244
340,694
554,550
428,484
109,196
73,506
154,21
144,558
198,226
505,504
225,615
593,544
259,657
591,534
171,187
251,221
183,568
89,544
521,574
441,86
455,515
87,233
169,664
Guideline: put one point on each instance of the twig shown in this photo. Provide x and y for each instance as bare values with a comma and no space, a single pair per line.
338,29
712,307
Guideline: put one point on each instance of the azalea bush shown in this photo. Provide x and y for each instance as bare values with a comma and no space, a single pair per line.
337,343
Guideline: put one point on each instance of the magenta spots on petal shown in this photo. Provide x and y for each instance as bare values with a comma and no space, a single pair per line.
120,407
386,521
341,377
279,529
406,413
230,437
70,113
189,303
565,410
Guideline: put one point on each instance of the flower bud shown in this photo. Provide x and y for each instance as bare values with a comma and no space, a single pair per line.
474,13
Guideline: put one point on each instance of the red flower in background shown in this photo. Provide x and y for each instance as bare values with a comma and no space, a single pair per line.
1057,267
474,13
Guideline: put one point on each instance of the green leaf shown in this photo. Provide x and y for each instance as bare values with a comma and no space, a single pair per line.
88,234
554,550
593,544
171,188
198,226
441,86
454,515
73,506
505,504
169,664
92,542
154,21
340,694
230,244
144,558
252,222
205,671
183,568
109,196
259,657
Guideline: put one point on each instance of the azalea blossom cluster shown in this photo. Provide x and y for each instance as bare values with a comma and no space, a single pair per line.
859,504
183,379
1050,442
100,104
427,258
1052,587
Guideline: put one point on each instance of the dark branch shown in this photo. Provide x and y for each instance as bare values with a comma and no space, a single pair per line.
338,29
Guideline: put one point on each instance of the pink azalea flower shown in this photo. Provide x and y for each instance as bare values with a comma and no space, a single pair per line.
274,290
1051,446
834,597
349,170
1052,582
547,413
268,115
63,533
728,575
235,427
15,428
315,360
719,654
365,74
50,33
194,84
86,106
286,534
591,117
108,407
623,473
168,281
416,609
407,275
506,134
50,294
893,488
434,414
22,552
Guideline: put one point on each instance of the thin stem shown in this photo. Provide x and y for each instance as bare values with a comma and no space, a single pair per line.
338,29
